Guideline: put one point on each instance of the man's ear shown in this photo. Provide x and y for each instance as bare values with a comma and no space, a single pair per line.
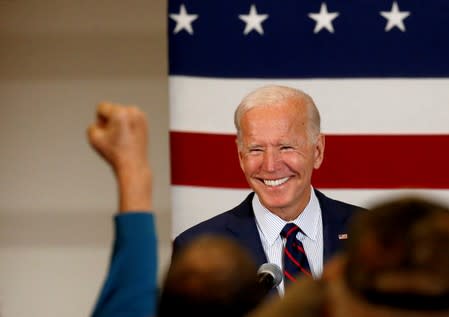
319,151
239,153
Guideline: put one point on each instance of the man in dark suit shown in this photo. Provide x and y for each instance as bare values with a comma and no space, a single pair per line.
279,145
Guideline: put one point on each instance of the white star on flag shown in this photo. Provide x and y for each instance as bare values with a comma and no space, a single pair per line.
183,20
253,20
323,19
395,18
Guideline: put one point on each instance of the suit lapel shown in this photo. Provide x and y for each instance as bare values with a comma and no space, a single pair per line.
243,227
334,223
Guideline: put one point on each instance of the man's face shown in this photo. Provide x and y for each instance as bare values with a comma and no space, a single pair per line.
277,157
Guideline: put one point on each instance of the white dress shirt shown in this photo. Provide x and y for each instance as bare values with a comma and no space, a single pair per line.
270,226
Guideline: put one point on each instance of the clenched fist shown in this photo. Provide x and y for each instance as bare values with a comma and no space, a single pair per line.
120,136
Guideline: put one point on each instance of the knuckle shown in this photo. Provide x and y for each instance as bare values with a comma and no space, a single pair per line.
136,114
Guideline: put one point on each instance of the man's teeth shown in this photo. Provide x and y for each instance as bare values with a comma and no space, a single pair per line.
275,182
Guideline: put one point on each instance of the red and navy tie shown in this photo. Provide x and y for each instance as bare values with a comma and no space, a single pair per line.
295,259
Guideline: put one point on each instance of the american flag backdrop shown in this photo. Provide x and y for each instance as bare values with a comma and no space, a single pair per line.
378,71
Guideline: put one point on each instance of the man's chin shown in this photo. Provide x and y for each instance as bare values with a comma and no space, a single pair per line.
272,204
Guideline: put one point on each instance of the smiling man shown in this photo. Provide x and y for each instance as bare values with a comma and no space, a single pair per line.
279,145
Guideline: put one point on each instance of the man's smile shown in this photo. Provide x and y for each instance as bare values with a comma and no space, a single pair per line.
275,182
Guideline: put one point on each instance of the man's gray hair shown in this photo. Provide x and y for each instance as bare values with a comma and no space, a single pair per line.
273,94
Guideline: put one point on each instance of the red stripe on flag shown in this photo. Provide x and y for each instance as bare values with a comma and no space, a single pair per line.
350,161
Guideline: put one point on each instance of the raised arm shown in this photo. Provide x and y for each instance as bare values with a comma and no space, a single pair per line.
120,136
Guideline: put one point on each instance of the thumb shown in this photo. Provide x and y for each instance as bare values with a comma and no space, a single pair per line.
96,136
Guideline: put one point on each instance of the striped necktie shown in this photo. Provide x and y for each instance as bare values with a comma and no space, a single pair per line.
295,259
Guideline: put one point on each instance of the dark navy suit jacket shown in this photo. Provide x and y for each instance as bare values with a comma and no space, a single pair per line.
239,223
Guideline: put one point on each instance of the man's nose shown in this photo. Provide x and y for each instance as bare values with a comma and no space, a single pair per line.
271,160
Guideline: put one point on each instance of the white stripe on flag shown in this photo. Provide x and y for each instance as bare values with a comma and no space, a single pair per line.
348,106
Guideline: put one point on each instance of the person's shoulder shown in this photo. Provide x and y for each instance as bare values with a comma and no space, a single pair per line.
217,225
213,224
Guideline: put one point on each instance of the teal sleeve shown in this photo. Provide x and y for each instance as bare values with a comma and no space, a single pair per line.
130,288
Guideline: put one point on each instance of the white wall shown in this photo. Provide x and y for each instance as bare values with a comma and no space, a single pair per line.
58,58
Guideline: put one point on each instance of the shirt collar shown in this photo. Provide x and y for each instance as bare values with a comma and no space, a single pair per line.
271,225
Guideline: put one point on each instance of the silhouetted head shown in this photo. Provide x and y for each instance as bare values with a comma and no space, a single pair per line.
398,255
212,276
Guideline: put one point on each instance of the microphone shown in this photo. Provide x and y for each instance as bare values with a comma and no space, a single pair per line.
269,276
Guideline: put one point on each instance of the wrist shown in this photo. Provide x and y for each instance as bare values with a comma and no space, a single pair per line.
135,189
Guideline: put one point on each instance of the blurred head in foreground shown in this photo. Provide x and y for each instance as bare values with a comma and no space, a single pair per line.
398,257
213,276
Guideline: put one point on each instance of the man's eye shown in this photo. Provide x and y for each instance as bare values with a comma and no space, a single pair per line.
255,150
286,147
